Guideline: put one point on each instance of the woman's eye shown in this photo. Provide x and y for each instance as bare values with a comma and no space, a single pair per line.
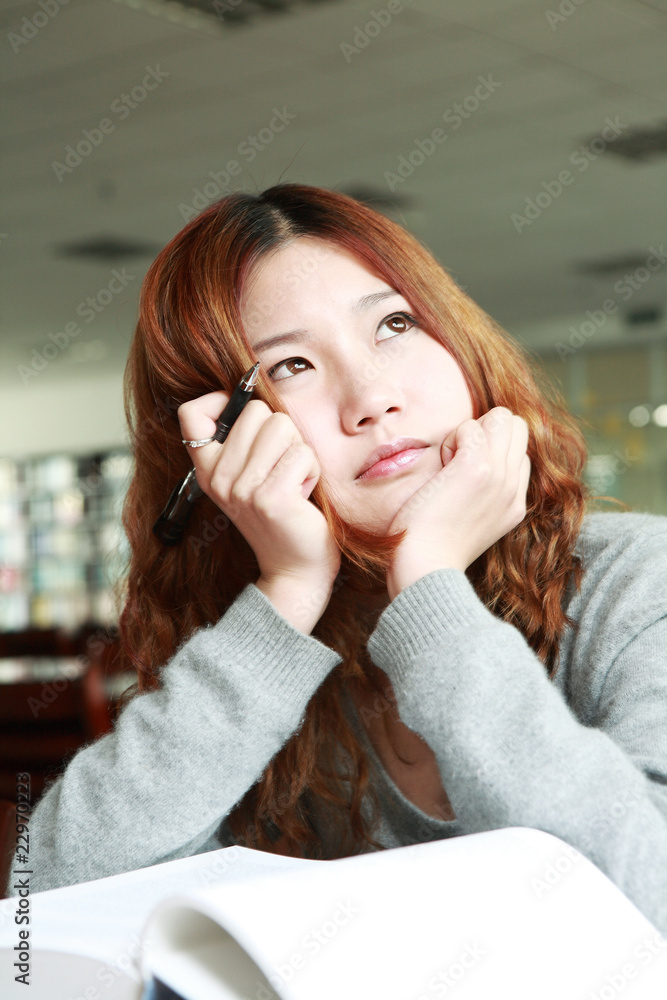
404,318
283,364
401,317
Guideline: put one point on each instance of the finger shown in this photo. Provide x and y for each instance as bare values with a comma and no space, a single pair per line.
448,447
200,416
498,426
524,476
241,443
296,472
472,441
524,482
197,421
518,445
254,452
197,417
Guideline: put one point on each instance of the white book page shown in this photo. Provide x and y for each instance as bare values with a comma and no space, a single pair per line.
513,912
103,919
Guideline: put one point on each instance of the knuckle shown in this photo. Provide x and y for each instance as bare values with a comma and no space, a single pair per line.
483,470
240,493
280,418
294,453
500,416
509,494
520,504
184,409
472,433
265,502
258,404
219,484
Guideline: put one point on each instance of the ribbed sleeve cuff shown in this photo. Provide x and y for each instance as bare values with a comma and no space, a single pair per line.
424,615
272,650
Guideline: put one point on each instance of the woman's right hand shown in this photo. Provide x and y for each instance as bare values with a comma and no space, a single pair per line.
261,477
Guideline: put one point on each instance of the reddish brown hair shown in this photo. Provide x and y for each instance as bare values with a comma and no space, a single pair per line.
189,341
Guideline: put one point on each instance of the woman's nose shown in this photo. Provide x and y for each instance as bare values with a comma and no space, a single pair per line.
367,393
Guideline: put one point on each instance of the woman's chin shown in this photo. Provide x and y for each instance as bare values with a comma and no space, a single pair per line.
376,513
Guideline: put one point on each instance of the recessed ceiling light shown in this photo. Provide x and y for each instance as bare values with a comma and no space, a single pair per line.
639,416
660,415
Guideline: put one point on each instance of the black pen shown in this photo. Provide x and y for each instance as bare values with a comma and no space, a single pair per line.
171,522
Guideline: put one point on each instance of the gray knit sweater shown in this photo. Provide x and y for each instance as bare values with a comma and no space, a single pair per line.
583,757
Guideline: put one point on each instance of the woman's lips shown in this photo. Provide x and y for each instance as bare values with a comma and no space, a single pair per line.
395,463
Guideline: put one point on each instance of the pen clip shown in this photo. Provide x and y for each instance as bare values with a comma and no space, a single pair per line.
171,523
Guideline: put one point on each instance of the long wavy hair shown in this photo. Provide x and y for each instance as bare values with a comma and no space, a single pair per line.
190,340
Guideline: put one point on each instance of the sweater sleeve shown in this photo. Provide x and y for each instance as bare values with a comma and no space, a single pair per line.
180,758
510,750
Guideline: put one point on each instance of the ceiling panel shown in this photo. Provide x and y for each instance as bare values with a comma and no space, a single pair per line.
356,115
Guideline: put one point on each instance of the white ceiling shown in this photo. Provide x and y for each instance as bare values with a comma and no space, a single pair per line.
354,118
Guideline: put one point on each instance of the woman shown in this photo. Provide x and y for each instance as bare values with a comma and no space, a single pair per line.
345,652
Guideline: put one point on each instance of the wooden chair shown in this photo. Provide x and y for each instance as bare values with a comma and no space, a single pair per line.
36,642
42,724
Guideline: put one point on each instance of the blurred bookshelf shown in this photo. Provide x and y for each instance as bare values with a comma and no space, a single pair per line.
62,545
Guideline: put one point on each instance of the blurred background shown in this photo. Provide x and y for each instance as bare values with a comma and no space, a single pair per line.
524,142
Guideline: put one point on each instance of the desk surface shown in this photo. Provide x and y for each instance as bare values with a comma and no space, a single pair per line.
42,669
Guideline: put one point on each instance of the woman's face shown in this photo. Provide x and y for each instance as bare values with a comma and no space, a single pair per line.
355,376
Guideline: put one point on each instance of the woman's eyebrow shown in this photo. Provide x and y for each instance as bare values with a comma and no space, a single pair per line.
299,336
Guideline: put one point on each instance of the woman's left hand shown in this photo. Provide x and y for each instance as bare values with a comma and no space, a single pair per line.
476,498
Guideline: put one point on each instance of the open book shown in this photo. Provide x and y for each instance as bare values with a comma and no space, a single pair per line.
506,913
